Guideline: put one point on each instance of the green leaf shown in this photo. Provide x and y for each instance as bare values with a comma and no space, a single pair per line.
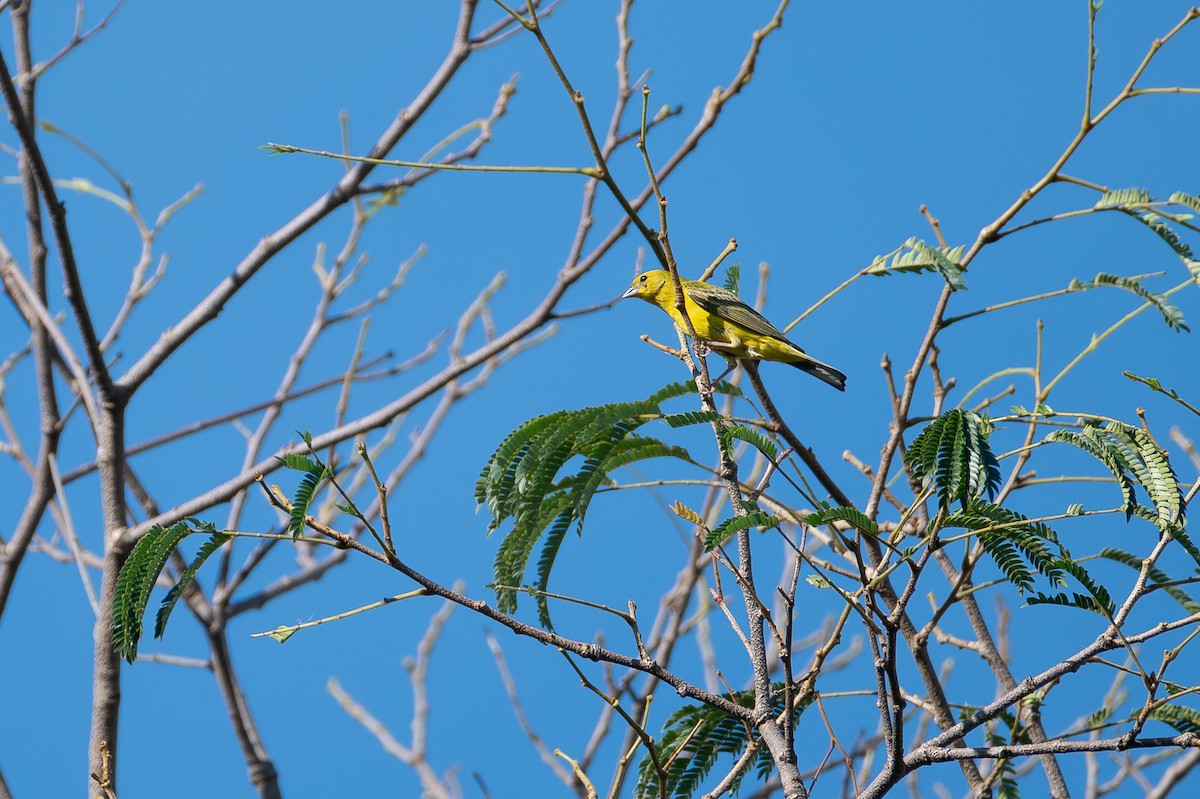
732,526
302,501
553,540
1181,537
640,448
1098,718
728,389
915,256
530,479
1170,313
281,633
1124,198
1139,453
299,462
1179,718
135,582
1137,204
851,516
953,454
695,737
1190,200
733,276
168,604
1081,601
1153,383
1018,545
1133,457
687,387
1157,578
1091,442
692,417
752,437
594,472
314,473
1005,773
497,481
1097,600
516,548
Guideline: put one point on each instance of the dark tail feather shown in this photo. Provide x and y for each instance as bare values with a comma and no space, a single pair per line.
822,371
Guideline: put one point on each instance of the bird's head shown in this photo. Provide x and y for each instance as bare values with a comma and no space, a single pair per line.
649,286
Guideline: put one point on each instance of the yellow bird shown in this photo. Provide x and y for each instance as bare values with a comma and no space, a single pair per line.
728,325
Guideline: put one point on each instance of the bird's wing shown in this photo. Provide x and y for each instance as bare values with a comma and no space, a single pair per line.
728,306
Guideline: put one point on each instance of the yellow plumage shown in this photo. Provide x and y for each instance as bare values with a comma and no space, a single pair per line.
728,325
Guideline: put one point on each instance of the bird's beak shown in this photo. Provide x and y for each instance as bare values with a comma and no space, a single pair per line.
629,292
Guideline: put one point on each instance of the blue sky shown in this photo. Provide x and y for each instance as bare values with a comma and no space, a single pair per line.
858,114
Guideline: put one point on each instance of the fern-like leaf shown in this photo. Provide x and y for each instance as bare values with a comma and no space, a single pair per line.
1157,578
639,448
1143,458
497,487
1006,782
1097,600
841,513
752,437
1098,718
302,500
299,462
1014,542
953,454
915,256
688,418
135,582
1133,458
168,604
1179,718
1181,537
529,480
1097,591
733,276
1124,198
1136,203
1004,773
1170,313
1181,198
732,526
1076,600
555,533
682,389
515,549
1090,442
694,738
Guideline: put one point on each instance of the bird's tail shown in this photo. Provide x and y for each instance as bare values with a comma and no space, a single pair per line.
823,371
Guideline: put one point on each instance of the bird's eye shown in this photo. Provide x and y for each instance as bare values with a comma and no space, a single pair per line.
642,279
